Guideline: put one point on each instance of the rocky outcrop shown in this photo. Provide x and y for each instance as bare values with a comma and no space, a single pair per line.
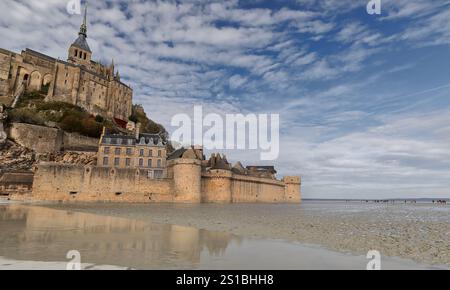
14,157
84,158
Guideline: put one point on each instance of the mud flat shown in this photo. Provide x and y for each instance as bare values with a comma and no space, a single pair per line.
37,237
419,232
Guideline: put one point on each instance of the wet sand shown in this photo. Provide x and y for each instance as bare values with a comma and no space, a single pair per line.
37,237
9,264
419,232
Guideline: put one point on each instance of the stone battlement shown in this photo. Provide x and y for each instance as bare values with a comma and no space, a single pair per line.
185,183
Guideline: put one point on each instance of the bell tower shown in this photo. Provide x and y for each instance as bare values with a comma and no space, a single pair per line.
79,51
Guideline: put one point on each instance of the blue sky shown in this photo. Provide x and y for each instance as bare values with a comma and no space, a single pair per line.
364,99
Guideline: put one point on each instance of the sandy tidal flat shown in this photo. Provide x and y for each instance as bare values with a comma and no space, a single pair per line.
420,232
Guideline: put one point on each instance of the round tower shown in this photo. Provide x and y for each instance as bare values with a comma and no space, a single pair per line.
217,186
292,192
186,179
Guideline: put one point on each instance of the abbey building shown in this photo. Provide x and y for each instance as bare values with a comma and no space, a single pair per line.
79,80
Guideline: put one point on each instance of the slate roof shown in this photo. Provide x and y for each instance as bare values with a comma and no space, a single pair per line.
270,169
177,154
129,140
38,54
81,42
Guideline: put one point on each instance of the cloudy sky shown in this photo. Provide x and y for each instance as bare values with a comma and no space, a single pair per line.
364,100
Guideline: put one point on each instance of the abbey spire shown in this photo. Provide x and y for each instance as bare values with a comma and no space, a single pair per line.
79,51
83,27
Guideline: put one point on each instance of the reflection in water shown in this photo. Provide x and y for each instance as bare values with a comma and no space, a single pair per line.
41,234
30,233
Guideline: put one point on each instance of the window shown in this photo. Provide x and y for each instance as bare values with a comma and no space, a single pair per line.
141,162
117,151
150,153
159,153
105,161
130,141
76,52
106,150
159,163
149,163
84,55
141,152
116,161
128,162
129,151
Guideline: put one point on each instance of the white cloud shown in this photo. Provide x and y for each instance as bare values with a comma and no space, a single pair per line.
307,62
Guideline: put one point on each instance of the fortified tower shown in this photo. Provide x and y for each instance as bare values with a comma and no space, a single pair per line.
186,171
217,181
292,189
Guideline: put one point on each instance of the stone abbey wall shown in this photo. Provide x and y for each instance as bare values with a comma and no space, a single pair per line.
91,183
222,186
45,139
38,138
74,141
251,189
186,183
